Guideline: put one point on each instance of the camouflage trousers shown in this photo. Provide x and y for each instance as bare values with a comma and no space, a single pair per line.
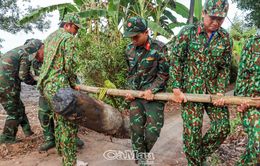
16,116
196,147
251,124
65,135
46,118
65,139
146,121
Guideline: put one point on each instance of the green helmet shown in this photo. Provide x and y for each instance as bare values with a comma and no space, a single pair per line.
218,8
33,45
72,18
134,26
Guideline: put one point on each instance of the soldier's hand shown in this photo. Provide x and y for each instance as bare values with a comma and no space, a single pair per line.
36,78
243,107
129,97
220,102
76,88
147,95
178,96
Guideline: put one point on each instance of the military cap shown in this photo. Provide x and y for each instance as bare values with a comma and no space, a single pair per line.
218,8
134,26
72,18
33,44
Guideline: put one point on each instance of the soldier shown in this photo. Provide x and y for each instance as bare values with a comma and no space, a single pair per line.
45,115
248,85
201,64
15,68
148,71
58,71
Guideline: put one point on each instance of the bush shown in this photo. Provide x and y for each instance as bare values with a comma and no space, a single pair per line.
237,49
102,57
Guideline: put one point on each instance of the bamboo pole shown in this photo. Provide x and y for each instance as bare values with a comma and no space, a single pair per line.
202,98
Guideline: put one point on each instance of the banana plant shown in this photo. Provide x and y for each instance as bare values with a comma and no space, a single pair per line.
198,10
158,13
77,7
63,8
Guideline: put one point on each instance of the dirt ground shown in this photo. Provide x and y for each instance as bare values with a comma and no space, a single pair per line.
167,150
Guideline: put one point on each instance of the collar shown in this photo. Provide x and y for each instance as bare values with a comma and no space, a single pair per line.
147,45
32,56
200,29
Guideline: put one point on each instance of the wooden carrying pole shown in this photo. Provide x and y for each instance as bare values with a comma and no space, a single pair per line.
202,98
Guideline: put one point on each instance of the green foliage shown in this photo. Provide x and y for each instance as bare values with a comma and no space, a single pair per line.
10,13
162,16
237,47
102,61
198,9
102,58
253,8
157,28
158,12
182,10
37,13
78,2
239,32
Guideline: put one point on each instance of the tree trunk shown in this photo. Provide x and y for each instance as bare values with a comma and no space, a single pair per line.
192,2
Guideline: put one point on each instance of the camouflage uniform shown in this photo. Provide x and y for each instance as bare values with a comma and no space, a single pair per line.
58,71
45,114
46,118
248,84
201,66
147,69
15,68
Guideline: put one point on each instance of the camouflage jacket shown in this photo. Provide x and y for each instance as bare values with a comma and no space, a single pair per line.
248,80
59,66
198,64
36,67
15,68
148,67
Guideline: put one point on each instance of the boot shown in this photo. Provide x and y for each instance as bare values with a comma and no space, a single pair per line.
27,130
28,133
9,132
47,145
47,124
26,126
6,139
79,142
